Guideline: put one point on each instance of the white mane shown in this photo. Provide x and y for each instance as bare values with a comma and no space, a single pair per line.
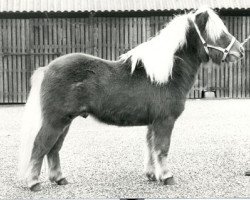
157,54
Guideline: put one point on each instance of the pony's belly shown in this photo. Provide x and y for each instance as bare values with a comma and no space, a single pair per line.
123,120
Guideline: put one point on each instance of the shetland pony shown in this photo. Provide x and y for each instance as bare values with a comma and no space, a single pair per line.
148,85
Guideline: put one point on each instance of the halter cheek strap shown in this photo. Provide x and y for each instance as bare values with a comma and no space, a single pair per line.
206,46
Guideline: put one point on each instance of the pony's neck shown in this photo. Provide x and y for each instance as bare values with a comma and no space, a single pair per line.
186,66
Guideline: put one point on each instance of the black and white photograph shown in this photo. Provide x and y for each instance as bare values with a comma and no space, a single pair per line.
125,99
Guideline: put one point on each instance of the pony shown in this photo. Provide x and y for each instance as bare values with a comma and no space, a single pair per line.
147,86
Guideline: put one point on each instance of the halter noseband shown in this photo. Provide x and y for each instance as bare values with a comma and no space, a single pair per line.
225,51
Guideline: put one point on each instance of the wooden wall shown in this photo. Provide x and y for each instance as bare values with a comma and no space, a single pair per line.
26,44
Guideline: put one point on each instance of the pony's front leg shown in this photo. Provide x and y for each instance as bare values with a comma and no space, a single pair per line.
161,143
149,159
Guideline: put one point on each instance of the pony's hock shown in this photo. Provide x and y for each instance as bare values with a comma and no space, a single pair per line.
148,85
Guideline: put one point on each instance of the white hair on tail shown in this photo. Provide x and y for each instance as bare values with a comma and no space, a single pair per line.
32,122
157,54
214,26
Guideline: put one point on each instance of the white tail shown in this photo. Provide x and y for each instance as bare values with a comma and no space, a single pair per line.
32,122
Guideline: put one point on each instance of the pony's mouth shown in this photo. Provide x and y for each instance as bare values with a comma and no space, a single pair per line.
234,56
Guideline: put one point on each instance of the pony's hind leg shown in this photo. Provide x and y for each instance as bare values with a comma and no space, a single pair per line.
162,135
44,141
149,160
55,173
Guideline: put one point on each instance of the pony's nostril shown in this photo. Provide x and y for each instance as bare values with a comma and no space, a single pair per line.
242,50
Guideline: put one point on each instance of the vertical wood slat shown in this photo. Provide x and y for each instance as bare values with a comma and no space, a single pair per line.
27,58
108,39
14,69
1,63
19,66
10,63
247,60
23,60
5,63
18,63
113,35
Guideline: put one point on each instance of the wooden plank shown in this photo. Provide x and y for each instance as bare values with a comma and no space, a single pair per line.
243,36
73,34
88,32
45,42
218,82
104,38
36,41
109,39
14,62
1,63
51,43
130,33
235,68
5,62
23,61
27,49
135,43
41,42
239,66
100,40
144,33
64,36
82,34
95,38
19,60
118,45
68,24
247,59
58,35
139,30
113,36
120,37
10,62
200,78
91,33
230,66
151,21
147,28
78,35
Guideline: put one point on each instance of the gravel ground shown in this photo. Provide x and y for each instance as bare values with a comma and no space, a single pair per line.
209,154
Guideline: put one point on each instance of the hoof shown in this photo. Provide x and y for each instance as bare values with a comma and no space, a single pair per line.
150,176
168,181
62,181
35,188
247,173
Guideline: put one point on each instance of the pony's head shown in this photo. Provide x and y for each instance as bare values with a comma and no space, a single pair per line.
215,40
203,30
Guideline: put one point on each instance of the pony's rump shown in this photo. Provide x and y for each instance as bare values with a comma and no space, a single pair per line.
32,121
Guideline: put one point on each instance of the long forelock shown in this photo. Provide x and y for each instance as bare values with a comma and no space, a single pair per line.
157,54
215,26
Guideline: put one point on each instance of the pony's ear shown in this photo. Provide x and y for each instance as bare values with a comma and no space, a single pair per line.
201,20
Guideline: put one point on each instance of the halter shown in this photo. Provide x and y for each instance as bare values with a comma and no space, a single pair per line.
225,51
